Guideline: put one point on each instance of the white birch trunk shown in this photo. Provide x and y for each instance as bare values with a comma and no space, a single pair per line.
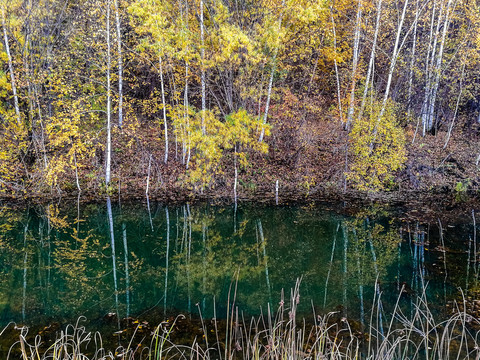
372,60
450,128
270,84
120,66
428,70
337,77
393,62
438,66
10,69
356,44
267,105
148,174
164,109
109,135
412,61
185,98
202,54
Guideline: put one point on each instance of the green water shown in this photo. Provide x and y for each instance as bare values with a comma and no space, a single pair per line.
61,261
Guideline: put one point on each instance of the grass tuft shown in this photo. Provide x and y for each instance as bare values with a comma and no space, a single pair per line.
280,335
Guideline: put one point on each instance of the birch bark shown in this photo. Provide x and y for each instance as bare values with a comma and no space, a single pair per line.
109,105
10,69
120,66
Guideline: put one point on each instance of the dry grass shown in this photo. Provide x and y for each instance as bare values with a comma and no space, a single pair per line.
280,335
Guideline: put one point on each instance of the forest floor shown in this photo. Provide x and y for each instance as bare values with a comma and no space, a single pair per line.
310,169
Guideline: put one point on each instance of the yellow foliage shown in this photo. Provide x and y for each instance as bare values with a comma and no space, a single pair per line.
238,132
378,148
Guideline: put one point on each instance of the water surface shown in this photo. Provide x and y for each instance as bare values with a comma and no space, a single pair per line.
61,261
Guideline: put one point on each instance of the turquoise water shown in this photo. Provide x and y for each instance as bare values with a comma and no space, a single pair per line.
60,261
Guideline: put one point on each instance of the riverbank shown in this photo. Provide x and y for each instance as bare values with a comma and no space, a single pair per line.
432,177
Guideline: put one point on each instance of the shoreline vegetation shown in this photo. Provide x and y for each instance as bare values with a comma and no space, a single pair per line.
276,334
196,98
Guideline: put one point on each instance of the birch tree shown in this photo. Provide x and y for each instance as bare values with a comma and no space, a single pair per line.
109,105
356,55
120,65
10,67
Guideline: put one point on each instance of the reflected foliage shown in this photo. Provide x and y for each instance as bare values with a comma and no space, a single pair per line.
57,262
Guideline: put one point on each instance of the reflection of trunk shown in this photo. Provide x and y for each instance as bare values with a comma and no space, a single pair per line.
377,289
475,267
440,227
188,250
78,213
330,266
398,261
149,213
204,280
360,292
25,258
467,278
345,269
114,265
166,262
236,180
418,260
127,276
265,258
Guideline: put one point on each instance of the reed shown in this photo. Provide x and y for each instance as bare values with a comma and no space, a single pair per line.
280,335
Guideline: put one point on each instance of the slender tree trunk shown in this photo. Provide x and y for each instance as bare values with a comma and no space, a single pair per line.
164,109
269,94
185,99
356,46
76,173
10,69
148,174
337,77
120,66
393,63
202,54
432,45
109,135
438,67
450,128
412,61
372,59
270,83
